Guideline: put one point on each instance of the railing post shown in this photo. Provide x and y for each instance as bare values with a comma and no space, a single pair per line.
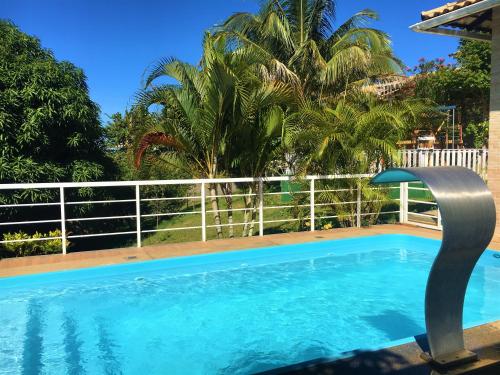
403,202
63,221
358,205
203,213
311,210
261,207
138,214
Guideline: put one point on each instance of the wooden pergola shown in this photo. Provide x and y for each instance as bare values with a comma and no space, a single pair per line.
479,20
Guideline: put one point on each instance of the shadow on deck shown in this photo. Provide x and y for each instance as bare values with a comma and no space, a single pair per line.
405,359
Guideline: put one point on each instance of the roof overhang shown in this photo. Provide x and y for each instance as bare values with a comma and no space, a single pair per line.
468,21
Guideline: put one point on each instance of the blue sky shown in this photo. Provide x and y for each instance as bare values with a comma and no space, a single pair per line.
114,41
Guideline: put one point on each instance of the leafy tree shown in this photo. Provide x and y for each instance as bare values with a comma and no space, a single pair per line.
214,114
465,84
301,36
50,129
356,134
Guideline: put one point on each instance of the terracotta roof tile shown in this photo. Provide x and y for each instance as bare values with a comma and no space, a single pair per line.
447,8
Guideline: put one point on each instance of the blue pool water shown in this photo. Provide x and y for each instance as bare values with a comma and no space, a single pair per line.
230,313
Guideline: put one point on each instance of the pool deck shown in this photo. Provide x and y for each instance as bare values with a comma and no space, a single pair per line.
58,262
404,359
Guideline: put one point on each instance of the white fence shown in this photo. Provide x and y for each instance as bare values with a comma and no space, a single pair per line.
475,159
416,206
202,196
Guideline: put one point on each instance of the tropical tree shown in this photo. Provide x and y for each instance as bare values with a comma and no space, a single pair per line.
356,134
50,128
301,35
205,114
465,84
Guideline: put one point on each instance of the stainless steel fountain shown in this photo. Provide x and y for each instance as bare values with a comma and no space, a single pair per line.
468,219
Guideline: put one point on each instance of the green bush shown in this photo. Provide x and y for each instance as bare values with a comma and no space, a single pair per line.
37,247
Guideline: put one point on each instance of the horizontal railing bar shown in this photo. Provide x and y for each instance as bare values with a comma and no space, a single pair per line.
283,220
102,218
31,222
417,188
334,190
172,214
28,205
380,213
423,202
336,216
365,214
231,195
104,201
53,185
290,206
334,203
101,234
168,229
225,225
169,198
383,188
32,239
287,192
229,210
423,215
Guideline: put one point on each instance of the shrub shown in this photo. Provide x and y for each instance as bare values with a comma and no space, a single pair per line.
37,247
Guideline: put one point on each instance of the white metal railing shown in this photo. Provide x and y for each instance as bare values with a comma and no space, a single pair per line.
412,210
475,159
200,185
425,215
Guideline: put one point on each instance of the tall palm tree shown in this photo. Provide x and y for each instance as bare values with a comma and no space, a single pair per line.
211,117
301,34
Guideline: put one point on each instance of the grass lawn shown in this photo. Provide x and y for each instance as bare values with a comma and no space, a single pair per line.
291,211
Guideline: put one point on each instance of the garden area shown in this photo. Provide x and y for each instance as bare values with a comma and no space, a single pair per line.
283,91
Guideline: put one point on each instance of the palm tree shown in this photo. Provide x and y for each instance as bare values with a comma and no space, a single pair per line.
356,134
213,115
301,35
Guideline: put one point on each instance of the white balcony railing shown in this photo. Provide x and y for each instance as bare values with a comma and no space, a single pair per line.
416,205
198,192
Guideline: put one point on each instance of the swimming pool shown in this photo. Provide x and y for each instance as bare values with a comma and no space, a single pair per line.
236,312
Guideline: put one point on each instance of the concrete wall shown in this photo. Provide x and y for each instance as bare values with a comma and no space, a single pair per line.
494,137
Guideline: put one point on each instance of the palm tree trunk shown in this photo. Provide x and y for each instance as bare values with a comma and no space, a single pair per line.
248,205
227,190
250,211
254,215
215,208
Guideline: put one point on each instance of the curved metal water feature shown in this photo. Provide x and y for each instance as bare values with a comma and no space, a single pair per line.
468,219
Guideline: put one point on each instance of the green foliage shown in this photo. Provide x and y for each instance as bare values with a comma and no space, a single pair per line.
476,134
465,84
301,36
355,134
49,127
36,247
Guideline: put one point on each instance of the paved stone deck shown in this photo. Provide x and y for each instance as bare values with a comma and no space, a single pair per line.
58,262
405,359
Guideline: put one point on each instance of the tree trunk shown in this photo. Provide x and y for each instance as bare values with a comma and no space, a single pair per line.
215,208
254,215
227,190
250,211
247,212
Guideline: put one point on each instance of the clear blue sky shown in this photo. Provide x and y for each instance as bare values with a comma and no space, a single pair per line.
113,41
